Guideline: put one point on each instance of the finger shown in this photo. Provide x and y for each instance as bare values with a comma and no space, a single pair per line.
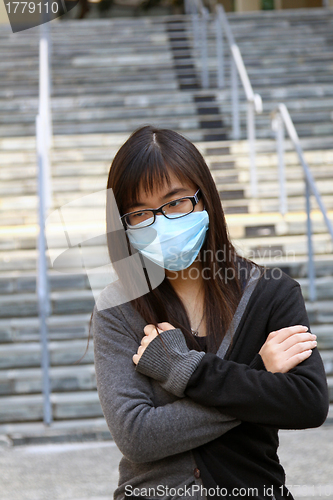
300,347
165,326
145,341
297,338
140,350
284,333
296,360
135,359
148,338
148,329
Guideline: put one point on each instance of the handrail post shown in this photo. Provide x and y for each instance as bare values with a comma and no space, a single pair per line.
219,51
42,277
254,102
252,150
195,29
43,145
311,268
49,42
45,107
278,128
235,101
295,140
204,55
310,188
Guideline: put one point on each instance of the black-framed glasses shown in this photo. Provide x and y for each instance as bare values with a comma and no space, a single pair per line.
171,210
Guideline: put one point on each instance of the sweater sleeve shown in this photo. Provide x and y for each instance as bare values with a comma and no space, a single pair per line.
142,431
294,400
168,360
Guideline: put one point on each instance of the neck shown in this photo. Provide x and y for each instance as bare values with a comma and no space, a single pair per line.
188,282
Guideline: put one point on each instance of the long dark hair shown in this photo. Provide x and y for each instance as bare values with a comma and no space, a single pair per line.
146,159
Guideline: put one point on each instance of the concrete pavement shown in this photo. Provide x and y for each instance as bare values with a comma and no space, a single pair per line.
89,471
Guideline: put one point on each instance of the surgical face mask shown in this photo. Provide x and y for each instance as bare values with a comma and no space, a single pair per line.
171,243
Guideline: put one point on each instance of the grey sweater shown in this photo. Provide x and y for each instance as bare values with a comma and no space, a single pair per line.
154,429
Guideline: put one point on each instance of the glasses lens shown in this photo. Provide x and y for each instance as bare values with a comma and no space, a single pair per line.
140,219
178,208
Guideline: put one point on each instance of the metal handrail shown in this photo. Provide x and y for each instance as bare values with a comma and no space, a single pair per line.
280,119
43,145
250,95
254,101
45,105
42,284
199,12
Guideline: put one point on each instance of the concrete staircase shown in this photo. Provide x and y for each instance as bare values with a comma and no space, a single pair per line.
145,72
148,70
263,235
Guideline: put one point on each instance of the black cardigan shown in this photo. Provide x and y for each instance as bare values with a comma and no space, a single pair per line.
239,385
246,456
210,458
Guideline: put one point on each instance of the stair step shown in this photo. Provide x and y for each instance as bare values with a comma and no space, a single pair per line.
65,302
330,388
256,247
20,381
22,210
319,311
275,246
60,327
307,100
59,431
87,185
95,162
28,354
298,268
221,166
22,282
194,134
324,335
147,69
98,147
82,301
327,357
241,227
64,406
62,379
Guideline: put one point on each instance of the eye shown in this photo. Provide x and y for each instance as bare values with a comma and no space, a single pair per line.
175,203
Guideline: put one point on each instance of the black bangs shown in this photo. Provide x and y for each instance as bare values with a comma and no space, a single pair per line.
148,170
147,159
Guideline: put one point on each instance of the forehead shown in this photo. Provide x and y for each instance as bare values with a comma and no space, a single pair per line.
145,194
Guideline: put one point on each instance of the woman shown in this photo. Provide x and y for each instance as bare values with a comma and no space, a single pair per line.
200,355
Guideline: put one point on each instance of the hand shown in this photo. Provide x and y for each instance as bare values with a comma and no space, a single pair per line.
286,348
150,333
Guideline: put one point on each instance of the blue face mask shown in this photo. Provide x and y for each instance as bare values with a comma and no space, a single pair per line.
171,243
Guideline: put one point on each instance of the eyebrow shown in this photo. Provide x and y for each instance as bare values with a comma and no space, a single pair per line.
170,193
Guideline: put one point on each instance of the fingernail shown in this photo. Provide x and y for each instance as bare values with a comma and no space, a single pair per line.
313,336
